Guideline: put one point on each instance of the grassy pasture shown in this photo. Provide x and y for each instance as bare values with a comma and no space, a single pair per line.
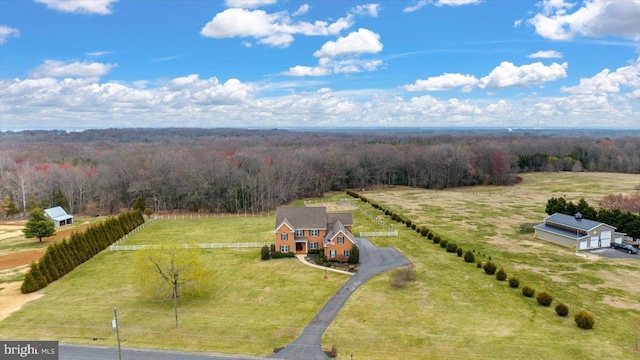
252,307
232,229
455,310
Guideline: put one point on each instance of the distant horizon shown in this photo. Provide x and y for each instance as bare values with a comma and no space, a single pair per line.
339,128
316,64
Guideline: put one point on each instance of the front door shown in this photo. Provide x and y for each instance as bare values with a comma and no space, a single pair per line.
300,247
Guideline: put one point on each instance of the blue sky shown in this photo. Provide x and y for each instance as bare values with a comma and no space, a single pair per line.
72,64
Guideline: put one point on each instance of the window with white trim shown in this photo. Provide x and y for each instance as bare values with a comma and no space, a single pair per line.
284,236
340,239
313,245
299,232
284,248
347,253
314,232
332,254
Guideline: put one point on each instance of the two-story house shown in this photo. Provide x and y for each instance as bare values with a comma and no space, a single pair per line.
300,229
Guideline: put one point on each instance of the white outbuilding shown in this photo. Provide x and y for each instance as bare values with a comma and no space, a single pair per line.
572,231
59,216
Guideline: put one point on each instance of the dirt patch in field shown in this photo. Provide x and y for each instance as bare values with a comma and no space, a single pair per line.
19,258
11,299
8,231
340,206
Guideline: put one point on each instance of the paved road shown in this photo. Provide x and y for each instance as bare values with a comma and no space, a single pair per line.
81,352
308,346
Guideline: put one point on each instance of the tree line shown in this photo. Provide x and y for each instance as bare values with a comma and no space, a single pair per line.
233,170
64,256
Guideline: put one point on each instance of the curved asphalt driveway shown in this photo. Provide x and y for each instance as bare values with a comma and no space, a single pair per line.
308,345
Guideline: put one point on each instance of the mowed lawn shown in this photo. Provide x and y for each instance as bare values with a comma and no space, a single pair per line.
454,310
252,307
194,230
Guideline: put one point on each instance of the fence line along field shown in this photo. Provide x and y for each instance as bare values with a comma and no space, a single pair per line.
452,310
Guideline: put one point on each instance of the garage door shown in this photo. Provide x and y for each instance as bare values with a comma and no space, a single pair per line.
583,245
605,238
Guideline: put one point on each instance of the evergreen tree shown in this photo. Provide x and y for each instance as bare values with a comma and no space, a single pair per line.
12,209
354,255
588,212
556,205
37,276
38,225
49,268
139,204
29,284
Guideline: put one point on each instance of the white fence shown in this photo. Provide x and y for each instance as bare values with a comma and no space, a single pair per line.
379,233
191,246
207,215
390,231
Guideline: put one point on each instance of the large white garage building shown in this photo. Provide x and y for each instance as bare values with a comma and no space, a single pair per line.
570,231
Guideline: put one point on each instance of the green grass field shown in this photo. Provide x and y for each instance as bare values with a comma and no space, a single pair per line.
453,310
252,307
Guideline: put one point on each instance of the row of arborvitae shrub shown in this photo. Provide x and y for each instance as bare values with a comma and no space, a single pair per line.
62,257
583,318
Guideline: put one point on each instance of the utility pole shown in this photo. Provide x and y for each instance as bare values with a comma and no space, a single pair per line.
175,300
115,325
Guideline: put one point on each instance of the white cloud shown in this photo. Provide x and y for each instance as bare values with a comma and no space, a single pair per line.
190,101
596,18
607,82
509,75
422,3
546,54
52,68
307,71
7,32
502,76
303,9
277,29
455,2
419,5
517,23
327,66
100,7
359,42
248,4
366,10
98,53
444,82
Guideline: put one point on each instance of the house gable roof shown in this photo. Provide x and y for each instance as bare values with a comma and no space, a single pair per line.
573,222
57,213
302,217
345,218
337,228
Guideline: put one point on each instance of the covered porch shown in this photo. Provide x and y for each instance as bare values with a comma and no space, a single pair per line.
300,245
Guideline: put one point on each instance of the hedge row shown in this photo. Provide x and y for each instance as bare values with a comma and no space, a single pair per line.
582,318
64,256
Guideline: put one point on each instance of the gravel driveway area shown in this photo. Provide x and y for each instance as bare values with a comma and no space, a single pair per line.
614,254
